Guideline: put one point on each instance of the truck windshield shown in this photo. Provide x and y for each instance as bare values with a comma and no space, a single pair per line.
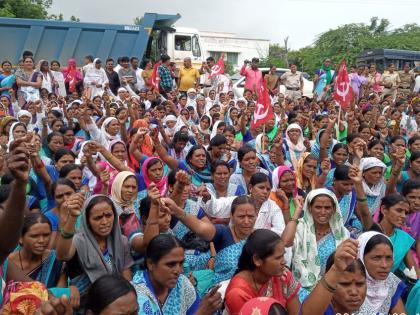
196,46
182,42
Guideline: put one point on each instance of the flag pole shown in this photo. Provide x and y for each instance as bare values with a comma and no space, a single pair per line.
262,140
338,124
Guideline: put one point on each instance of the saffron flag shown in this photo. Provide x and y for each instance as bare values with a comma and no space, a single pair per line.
263,110
343,93
155,79
219,67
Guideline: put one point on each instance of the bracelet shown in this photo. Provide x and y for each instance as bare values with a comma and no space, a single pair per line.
327,286
212,257
294,220
66,235
361,199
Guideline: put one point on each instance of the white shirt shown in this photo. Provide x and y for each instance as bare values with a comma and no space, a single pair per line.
140,81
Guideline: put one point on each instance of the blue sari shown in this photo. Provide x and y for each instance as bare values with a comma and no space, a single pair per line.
402,242
182,299
8,81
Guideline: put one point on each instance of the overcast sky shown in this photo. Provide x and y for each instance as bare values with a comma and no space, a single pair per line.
301,20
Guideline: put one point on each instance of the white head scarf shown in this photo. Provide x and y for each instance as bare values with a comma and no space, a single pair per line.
215,126
259,143
11,137
170,131
24,112
299,147
368,163
103,129
377,290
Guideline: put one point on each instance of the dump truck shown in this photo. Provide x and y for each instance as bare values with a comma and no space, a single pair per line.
62,40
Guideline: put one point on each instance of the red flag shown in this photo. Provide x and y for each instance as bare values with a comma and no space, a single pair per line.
155,79
263,110
343,93
219,67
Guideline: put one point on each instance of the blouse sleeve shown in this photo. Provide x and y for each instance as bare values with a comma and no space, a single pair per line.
128,260
235,299
277,220
397,295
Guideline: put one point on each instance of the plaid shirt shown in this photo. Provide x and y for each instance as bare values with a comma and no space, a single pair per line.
166,81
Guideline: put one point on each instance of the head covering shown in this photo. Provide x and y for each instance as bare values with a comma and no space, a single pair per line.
278,173
191,90
126,206
306,264
11,137
24,112
105,124
299,174
295,148
259,143
207,131
82,154
72,74
162,185
4,123
258,306
146,147
366,164
214,130
377,290
90,255
121,89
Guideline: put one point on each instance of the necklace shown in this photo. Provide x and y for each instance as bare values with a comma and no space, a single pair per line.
21,264
322,234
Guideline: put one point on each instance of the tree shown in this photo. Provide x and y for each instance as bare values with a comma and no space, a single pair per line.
30,9
276,56
138,20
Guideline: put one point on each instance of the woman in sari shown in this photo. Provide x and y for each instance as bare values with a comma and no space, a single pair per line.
262,149
384,289
7,78
411,191
109,131
73,78
96,79
262,272
322,225
29,82
17,130
294,146
152,171
306,178
162,288
48,81
220,185
59,78
324,78
5,125
285,191
98,248
339,156
50,146
37,261
373,181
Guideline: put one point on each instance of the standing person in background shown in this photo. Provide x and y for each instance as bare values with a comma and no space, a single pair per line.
374,78
357,82
58,77
114,81
7,78
324,79
253,76
188,76
138,71
88,64
407,81
147,72
390,80
166,81
273,81
126,74
293,81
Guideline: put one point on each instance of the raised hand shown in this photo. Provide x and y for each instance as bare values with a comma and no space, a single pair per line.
182,178
153,193
55,306
18,159
355,174
74,204
105,177
345,254
325,165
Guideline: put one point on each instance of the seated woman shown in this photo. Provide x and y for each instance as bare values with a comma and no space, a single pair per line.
262,272
306,178
394,210
411,191
384,289
37,261
342,290
152,171
373,181
98,248
61,191
294,144
339,156
162,288
264,306
74,173
220,186
322,225
262,148
285,192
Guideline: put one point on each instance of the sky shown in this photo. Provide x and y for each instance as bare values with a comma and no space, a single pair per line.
301,20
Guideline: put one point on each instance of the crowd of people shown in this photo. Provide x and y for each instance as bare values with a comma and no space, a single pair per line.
118,197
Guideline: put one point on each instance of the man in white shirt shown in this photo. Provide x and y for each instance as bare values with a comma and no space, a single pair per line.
135,66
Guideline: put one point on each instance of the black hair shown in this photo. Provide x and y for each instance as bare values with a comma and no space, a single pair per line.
244,150
109,59
52,135
66,169
341,172
33,218
377,240
375,142
260,243
160,246
96,200
351,137
220,125
310,157
64,129
56,120
363,126
218,140
180,136
352,268
218,163
191,152
62,152
210,59
230,128
62,182
396,138
241,200
144,208
125,59
165,58
5,191
414,156
323,195
6,61
391,200
105,290
26,54
411,184
339,146
152,162
133,58
277,309
259,178
89,57
413,139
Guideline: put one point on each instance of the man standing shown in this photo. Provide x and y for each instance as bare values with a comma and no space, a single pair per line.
253,76
273,81
407,81
293,82
188,76
166,81
390,80
208,83
114,80
126,74
138,71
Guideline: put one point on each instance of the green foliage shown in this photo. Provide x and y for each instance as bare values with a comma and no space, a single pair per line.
350,40
30,9
229,68
138,20
276,57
